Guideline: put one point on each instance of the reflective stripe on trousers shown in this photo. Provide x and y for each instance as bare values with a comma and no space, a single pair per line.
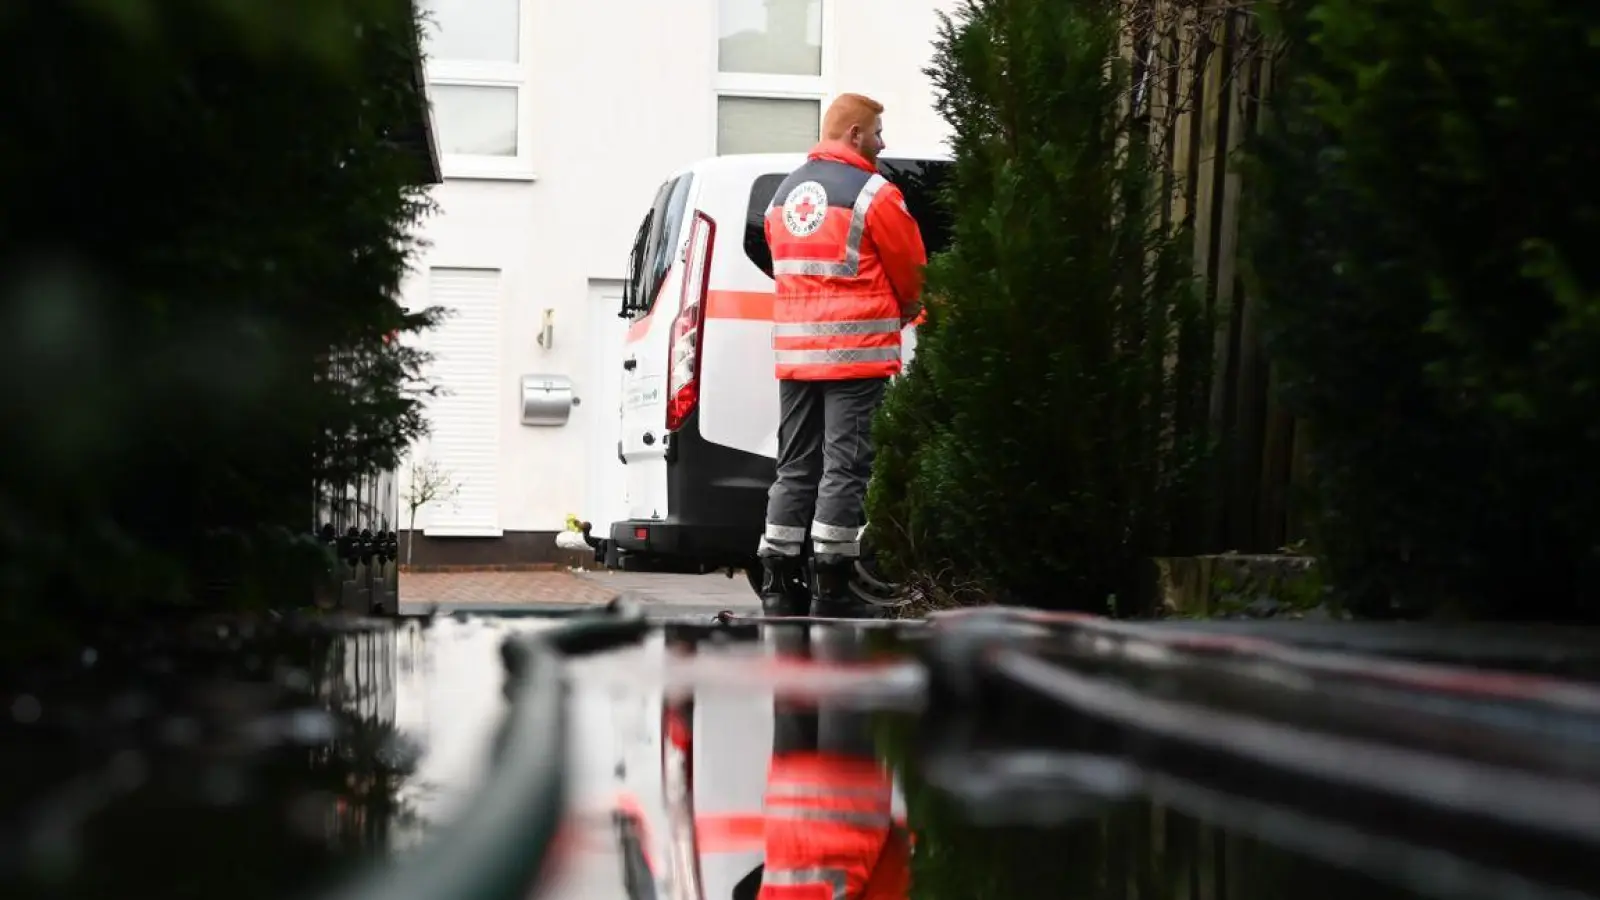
781,540
835,540
824,463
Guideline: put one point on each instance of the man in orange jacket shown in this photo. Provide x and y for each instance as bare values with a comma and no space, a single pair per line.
847,257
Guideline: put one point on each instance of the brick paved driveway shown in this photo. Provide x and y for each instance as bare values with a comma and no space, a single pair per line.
715,591
420,590
665,594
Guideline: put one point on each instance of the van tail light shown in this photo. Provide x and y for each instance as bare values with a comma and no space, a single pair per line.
688,329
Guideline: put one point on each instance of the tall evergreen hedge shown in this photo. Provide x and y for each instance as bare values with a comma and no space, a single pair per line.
208,211
1030,453
1423,236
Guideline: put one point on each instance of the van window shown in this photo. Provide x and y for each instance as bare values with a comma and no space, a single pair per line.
919,180
656,245
755,235
632,289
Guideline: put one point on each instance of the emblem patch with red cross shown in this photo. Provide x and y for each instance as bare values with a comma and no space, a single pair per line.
805,209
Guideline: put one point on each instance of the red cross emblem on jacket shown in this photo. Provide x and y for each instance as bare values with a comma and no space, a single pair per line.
847,259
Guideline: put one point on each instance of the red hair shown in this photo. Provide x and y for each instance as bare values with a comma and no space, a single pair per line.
849,110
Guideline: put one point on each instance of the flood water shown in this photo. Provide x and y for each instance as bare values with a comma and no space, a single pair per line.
255,762
243,761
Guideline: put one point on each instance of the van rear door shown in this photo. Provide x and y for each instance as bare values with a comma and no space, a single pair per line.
739,388
650,304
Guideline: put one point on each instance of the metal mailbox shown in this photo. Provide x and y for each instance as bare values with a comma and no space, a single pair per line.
547,399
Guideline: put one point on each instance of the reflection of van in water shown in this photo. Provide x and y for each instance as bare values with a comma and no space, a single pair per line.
699,397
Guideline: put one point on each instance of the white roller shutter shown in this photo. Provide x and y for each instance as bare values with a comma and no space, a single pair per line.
465,419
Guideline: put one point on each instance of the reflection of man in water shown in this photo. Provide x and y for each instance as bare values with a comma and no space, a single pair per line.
789,45
830,830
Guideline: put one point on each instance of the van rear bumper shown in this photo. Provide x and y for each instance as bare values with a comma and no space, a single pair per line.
716,509
666,545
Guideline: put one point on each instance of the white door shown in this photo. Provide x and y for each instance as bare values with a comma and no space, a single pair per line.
605,496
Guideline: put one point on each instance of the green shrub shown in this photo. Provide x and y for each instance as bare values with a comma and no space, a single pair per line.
208,214
1423,230
1031,448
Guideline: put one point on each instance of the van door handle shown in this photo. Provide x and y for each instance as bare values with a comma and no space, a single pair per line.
630,364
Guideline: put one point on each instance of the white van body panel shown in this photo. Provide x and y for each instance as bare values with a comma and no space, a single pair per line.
738,382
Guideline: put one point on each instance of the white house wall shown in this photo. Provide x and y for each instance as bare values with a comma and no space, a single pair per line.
617,95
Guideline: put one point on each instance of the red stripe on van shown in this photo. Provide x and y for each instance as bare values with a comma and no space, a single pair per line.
639,328
747,305
730,832
753,306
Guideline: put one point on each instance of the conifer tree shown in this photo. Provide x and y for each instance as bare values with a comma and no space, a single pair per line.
207,227
1031,447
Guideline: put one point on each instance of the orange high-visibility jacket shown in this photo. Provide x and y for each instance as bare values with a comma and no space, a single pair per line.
830,833
848,259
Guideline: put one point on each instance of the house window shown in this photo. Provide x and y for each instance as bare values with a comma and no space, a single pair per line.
476,80
771,74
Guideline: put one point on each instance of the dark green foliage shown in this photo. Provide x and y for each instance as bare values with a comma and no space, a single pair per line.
1423,236
207,217
1031,449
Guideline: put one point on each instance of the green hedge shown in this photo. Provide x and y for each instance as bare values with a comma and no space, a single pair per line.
1030,453
1425,217
206,202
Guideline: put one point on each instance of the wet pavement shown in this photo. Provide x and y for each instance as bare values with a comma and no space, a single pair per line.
674,744
682,595
490,592
1114,762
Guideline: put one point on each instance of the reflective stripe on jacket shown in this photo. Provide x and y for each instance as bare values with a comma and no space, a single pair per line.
847,257
830,832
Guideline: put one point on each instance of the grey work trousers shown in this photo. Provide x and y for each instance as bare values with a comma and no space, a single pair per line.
824,464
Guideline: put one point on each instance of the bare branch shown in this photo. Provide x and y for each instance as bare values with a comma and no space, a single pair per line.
1169,43
429,483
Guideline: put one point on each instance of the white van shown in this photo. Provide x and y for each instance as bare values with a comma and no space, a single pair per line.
699,398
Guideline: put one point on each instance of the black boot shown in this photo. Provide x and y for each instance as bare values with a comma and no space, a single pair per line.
783,586
831,596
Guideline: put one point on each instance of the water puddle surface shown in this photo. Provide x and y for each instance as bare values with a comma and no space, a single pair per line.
244,760
259,761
